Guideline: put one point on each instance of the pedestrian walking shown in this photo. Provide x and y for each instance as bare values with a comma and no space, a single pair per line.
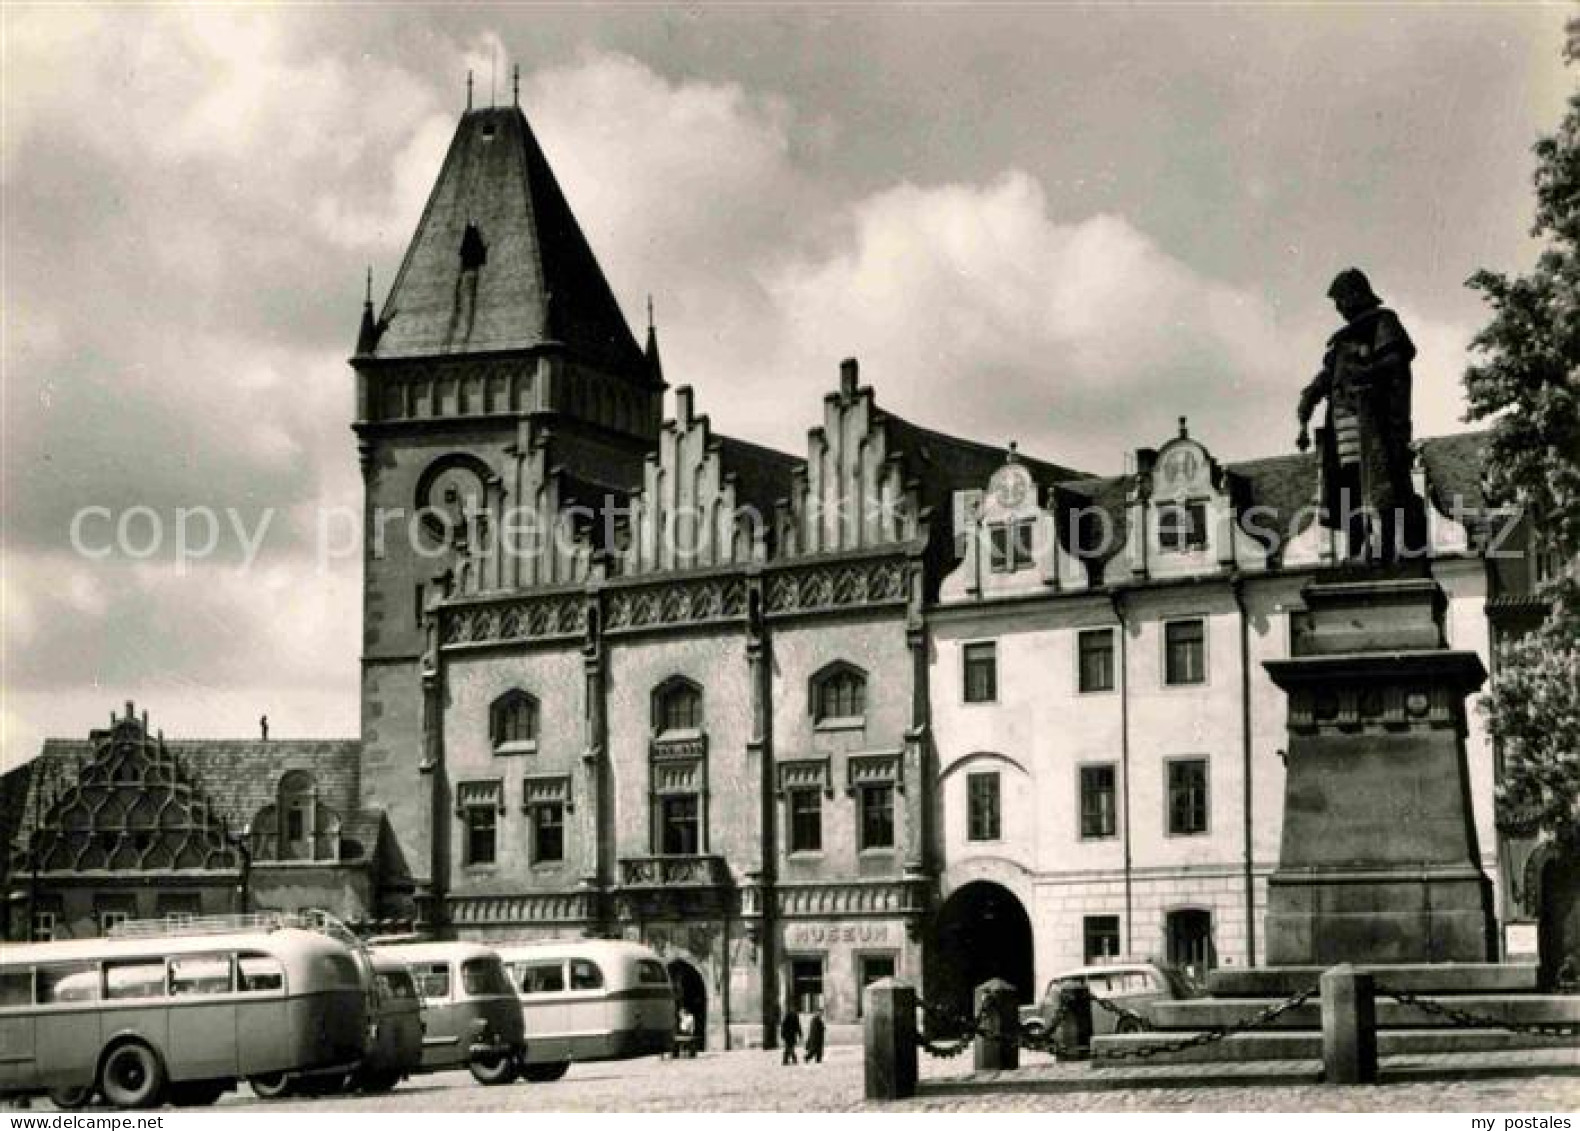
789,1034
814,1038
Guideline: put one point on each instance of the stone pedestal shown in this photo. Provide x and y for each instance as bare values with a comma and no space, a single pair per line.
1379,861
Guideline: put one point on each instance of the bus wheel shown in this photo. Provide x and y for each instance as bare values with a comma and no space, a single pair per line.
202,1093
270,1085
495,1068
544,1073
70,1099
132,1076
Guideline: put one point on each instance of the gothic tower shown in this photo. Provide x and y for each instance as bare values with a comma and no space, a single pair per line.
500,333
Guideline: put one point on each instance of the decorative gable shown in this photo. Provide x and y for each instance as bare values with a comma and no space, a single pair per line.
1009,543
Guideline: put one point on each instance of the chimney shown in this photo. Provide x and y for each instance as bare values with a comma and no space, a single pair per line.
683,407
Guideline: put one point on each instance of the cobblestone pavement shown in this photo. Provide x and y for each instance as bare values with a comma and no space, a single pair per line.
754,1081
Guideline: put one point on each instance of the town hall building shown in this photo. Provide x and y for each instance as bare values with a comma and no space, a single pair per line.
898,702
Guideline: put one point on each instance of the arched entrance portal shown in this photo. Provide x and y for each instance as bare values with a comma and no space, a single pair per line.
981,932
1559,936
691,992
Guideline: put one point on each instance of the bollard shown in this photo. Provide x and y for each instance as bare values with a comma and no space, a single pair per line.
1349,1026
1075,1020
997,1048
889,1040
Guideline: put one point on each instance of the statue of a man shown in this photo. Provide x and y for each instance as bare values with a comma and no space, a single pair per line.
1365,446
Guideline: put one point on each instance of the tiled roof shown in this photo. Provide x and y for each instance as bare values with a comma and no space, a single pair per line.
240,776
539,281
762,475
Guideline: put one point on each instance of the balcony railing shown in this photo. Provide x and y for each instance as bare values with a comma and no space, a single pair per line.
673,872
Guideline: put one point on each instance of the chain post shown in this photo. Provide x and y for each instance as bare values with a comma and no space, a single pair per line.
997,1046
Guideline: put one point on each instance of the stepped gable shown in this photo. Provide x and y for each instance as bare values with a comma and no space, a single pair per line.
499,263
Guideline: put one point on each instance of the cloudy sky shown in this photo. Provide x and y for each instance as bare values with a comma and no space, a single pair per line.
1064,226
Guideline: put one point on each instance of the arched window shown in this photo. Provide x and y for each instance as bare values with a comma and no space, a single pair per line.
513,722
304,828
677,706
839,694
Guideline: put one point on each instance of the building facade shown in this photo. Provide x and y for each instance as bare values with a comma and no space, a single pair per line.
900,703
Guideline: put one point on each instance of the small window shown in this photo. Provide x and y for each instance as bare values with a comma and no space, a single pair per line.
397,985
1182,527
295,823
1187,796
1185,652
68,981
513,722
16,988
585,975
548,832
113,910
981,673
1011,546
200,974
874,968
484,977
679,708
1099,816
679,825
877,816
1100,937
259,973
806,984
806,820
433,980
481,828
982,804
650,973
46,923
139,979
1096,659
178,906
842,694
541,977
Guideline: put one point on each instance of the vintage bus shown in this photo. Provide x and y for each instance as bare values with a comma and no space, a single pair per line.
142,1020
589,999
470,1015
395,1051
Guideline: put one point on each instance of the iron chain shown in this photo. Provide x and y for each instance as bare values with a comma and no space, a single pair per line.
1215,1034
1464,1019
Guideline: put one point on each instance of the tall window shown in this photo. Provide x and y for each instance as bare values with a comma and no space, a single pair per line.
1098,813
1187,796
548,832
513,721
1100,937
806,820
806,984
982,804
480,826
1182,526
981,672
877,816
1189,935
840,693
679,708
679,827
1010,546
1184,652
1096,659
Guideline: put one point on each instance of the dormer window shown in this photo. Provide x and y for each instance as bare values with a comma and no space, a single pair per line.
1010,546
1182,527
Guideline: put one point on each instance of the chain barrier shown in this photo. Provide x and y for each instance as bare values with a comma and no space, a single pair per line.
1464,1019
1215,1034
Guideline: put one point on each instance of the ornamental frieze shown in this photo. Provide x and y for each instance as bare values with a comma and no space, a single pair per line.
544,907
680,602
838,586
897,897
539,618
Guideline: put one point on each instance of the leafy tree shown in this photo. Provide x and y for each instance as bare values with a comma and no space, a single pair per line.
1526,381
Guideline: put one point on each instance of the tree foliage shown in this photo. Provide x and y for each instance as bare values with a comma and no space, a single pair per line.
1525,380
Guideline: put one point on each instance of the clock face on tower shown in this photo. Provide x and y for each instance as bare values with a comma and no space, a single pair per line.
451,500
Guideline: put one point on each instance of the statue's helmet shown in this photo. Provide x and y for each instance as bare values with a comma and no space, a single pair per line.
1352,287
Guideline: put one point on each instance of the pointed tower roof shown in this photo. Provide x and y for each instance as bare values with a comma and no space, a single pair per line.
499,262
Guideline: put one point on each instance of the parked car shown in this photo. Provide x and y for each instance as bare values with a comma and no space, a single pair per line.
1130,985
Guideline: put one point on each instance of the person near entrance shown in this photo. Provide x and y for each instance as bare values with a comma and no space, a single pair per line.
789,1034
814,1039
685,1033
